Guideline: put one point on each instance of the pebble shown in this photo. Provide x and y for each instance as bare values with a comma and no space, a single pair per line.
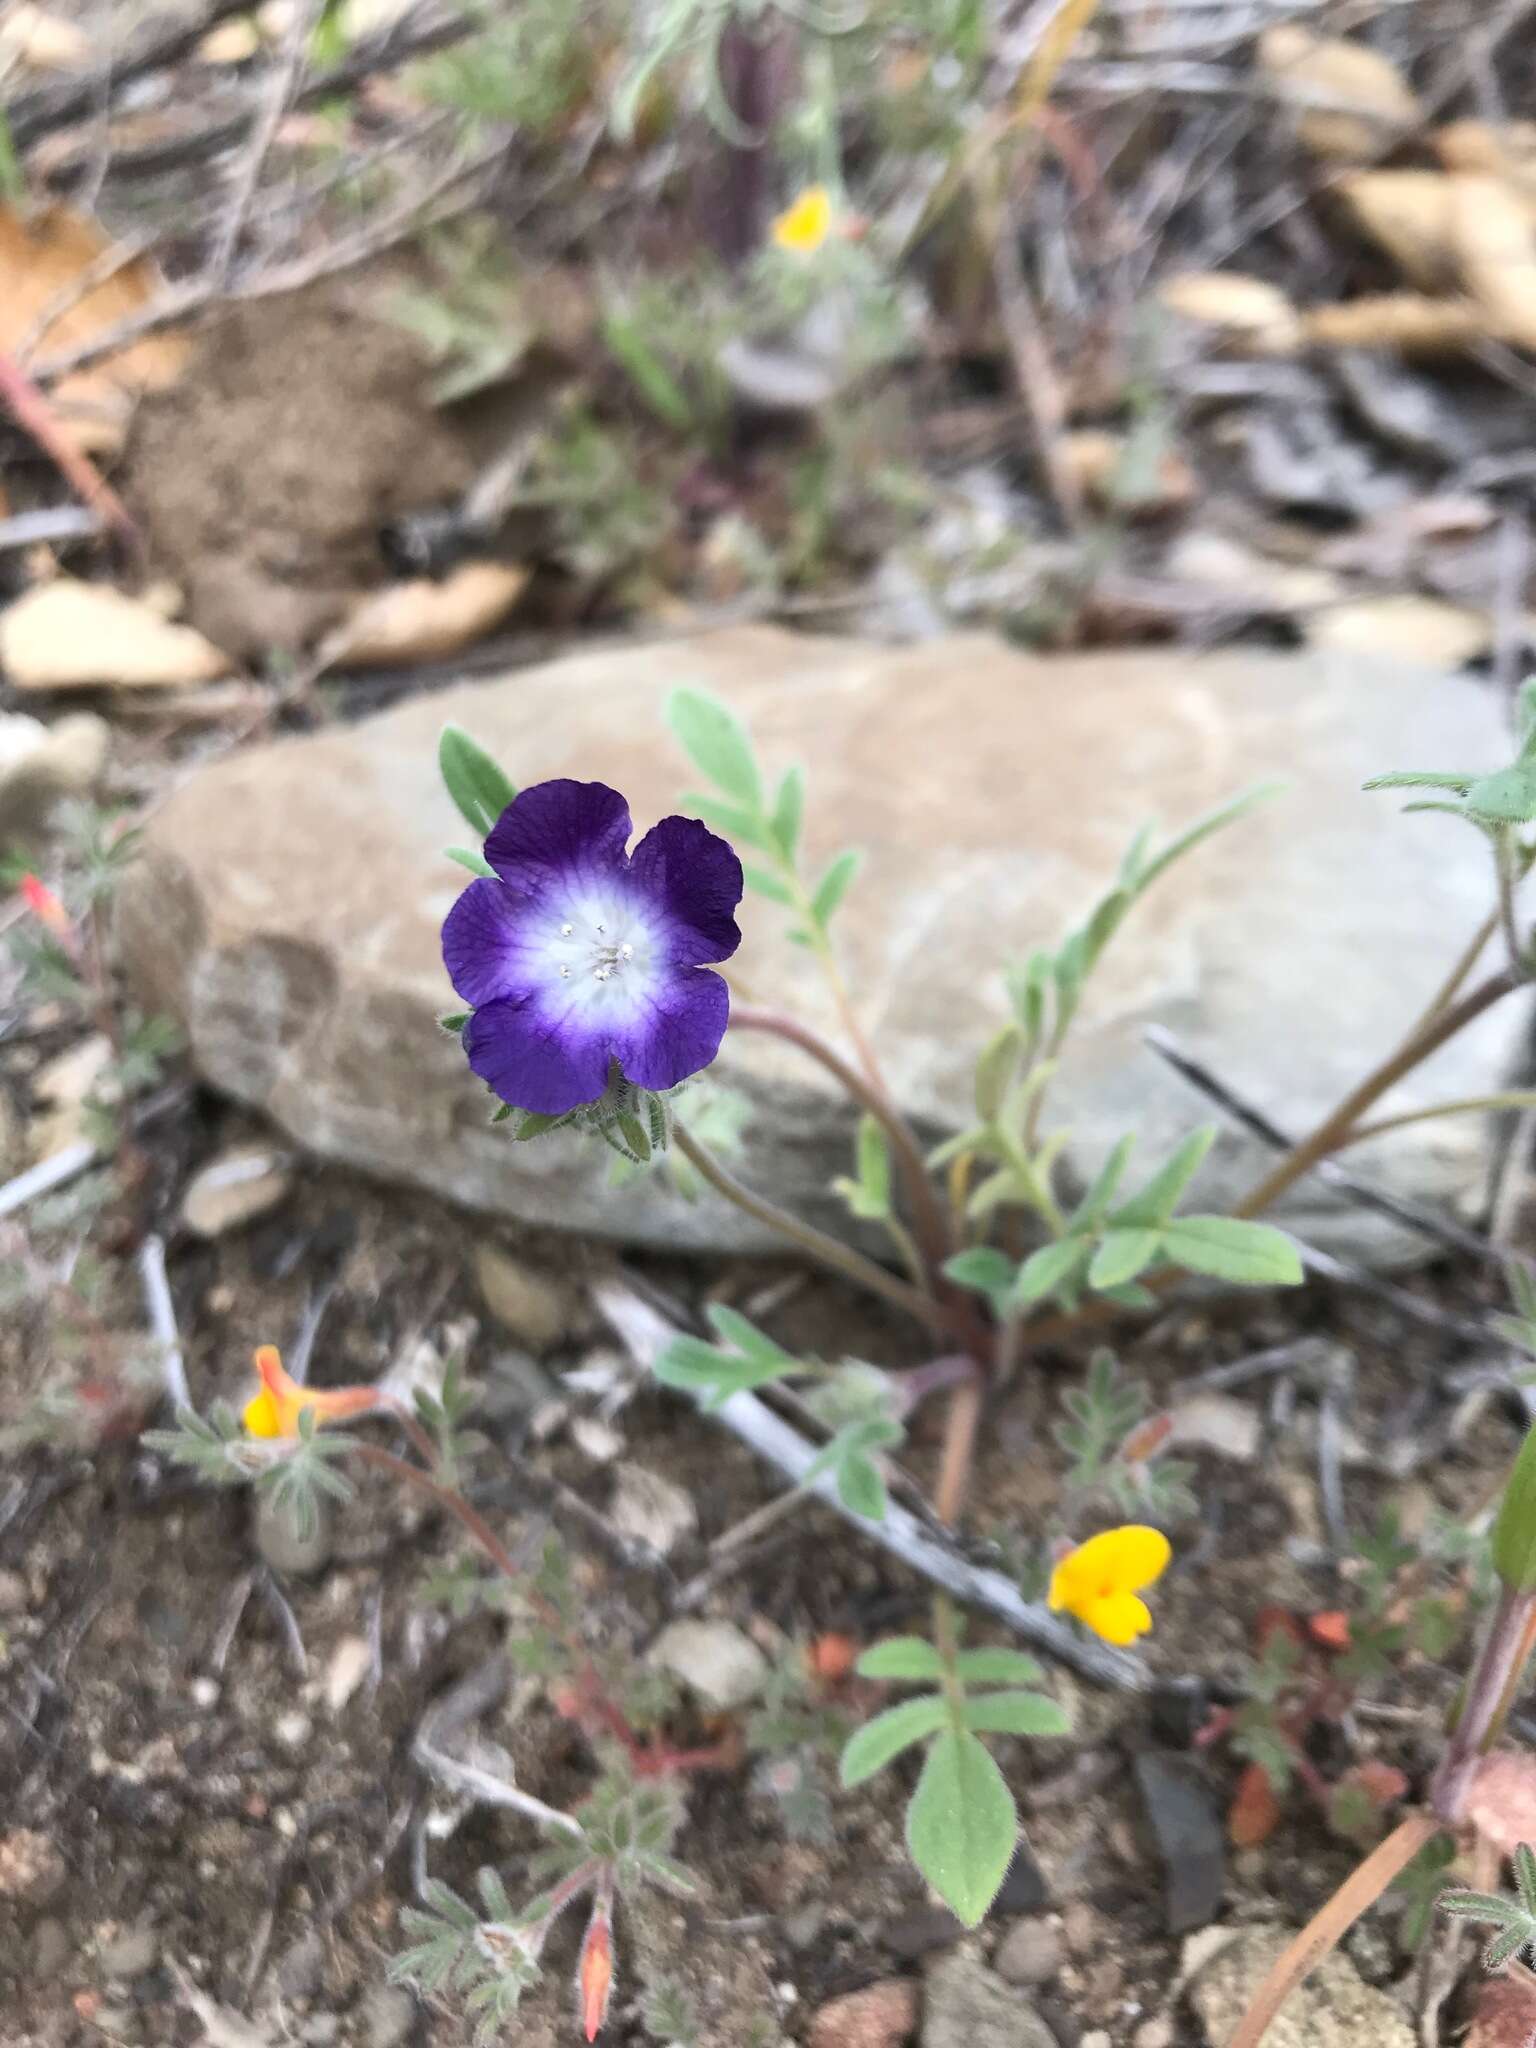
966,2006
1332,2008
288,1548
880,2016
651,1510
1023,1889
723,1666
1030,1952
130,1953
1158,2033
921,1930
292,1730
50,1949
235,1188
1190,1840
1218,1423
1097,2039
205,1693
350,1663
14,1598
31,1868
388,2017
532,1305
41,763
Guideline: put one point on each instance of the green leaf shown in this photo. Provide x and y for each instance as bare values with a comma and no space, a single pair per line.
985,1269
1458,784
962,1825
901,1657
1105,1186
1507,798
860,1487
995,1068
473,780
788,811
454,1023
628,346
735,1329
730,819
717,743
1226,1247
1152,1205
1202,829
1122,1255
1000,1666
874,1163
769,885
833,887
468,858
699,1368
1016,1713
1049,1268
870,1748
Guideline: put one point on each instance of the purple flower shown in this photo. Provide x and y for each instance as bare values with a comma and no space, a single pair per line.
578,953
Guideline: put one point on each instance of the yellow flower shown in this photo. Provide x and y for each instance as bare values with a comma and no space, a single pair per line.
1099,1581
276,1409
803,227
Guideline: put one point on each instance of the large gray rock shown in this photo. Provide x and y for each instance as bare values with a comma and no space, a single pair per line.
287,908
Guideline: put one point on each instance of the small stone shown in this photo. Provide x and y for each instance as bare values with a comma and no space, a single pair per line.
651,1510
131,1953
50,1949
14,1598
723,1666
1200,1948
389,2017
293,1730
235,1188
966,2006
1097,2039
351,1661
205,1693
63,1085
1218,1423
879,2016
596,1439
298,1974
1331,2008
321,2030
536,1308
39,764
31,1867
1023,1889
1505,2015
1158,2033
921,1930
1030,1952
296,1551
1187,1831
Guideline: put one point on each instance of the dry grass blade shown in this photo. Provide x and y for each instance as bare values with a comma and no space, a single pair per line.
1324,1931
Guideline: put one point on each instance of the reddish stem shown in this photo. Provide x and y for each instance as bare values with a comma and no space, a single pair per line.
35,416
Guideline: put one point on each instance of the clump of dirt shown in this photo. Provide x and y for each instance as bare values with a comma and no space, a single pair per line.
300,427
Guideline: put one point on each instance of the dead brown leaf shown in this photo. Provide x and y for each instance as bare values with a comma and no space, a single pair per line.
1409,322
1410,214
68,635
424,621
1495,242
1348,100
1403,627
42,261
42,41
1252,316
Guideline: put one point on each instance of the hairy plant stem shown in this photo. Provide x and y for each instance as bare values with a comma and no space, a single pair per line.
959,1450
1509,867
871,1094
1486,1701
1333,1132
827,1250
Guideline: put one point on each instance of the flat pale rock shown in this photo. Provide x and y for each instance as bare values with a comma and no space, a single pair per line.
287,909
1333,2008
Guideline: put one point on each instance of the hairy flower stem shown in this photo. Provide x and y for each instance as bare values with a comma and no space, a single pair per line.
959,1451
1486,1702
1426,1037
828,1251
870,1093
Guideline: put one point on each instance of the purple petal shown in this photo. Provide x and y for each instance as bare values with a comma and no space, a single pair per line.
693,878
535,1062
678,1033
559,829
483,942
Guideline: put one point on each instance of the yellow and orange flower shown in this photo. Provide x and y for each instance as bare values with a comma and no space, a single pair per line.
1101,1579
46,907
275,1409
804,226
594,1972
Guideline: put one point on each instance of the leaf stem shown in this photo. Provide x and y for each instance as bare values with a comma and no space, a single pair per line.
817,1243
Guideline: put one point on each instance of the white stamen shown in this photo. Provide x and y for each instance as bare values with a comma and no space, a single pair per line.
565,974
602,927
600,974
566,930
626,952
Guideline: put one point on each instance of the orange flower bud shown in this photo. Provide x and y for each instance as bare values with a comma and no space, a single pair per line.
276,1409
594,1972
46,907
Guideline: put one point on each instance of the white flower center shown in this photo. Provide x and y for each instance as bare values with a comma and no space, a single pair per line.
596,949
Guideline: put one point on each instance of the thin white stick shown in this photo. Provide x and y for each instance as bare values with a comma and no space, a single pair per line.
47,1175
162,1319
645,1333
